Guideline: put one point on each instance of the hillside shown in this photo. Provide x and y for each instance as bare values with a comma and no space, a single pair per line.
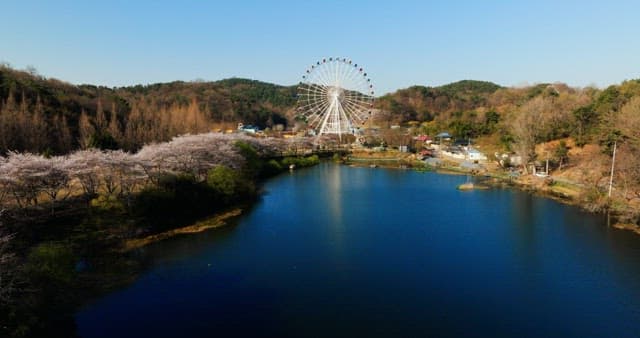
46,115
35,111
237,96
419,103
230,100
54,117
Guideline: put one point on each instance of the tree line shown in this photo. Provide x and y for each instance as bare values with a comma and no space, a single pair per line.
51,117
28,180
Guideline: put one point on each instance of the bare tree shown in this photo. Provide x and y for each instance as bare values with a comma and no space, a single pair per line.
627,122
526,127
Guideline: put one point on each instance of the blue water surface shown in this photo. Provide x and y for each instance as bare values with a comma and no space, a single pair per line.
339,251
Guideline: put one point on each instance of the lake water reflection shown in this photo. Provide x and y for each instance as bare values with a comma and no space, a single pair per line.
340,251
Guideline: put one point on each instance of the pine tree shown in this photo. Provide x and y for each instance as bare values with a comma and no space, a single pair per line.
38,129
101,119
114,125
85,130
60,128
131,131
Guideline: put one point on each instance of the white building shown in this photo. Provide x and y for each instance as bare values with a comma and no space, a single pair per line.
475,155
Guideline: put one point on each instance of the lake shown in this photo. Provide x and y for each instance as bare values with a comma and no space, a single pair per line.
340,251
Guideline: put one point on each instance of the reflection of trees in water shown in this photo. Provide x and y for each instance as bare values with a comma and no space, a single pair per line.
612,252
187,247
524,222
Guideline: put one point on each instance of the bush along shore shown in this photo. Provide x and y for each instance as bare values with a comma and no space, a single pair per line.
70,224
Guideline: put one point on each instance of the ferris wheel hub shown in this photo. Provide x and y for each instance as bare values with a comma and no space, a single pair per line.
334,92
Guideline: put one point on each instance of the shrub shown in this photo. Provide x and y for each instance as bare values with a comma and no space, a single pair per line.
312,160
223,181
51,261
107,203
176,183
253,164
165,208
301,161
271,168
228,184
103,141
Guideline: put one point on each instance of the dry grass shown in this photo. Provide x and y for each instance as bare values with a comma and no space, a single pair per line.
210,223
627,226
388,154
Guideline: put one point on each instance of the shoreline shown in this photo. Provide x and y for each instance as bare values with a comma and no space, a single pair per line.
213,222
558,190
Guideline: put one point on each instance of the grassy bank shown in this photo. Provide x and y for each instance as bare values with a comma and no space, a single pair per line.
211,223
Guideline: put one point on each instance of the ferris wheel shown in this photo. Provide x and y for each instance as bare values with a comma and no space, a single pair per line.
335,96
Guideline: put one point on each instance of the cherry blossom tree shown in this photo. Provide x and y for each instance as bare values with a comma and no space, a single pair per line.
23,176
29,178
83,166
55,180
193,154
26,176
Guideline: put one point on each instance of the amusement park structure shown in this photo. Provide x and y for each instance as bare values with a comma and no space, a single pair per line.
335,97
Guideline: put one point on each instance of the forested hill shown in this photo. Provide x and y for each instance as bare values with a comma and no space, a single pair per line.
229,100
233,99
49,115
419,103
235,94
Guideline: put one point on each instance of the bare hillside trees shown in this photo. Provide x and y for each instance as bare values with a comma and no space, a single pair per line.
626,122
147,122
28,127
544,118
526,127
22,126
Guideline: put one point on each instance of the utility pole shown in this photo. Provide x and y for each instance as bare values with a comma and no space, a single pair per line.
547,167
613,162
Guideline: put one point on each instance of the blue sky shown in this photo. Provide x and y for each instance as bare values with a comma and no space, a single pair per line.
400,43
